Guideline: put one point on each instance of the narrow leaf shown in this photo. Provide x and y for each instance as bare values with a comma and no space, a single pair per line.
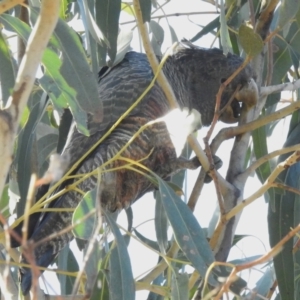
84,230
121,281
7,77
76,71
261,149
157,37
179,286
4,202
224,34
287,11
146,10
263,285
161,224
147,241
26,140
67,261
188,233
107,18
59,91
282,220
123,46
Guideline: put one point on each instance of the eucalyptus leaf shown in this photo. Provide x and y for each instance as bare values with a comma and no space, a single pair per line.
123,44
26,143
147,241
179,286
59,91
287,11
67,261
91,24
7,73
282,219
187,231
161,224
85,229
4,202
107,18
263,285
157,37
146,10
77,73
224,34
121,281
250,41
261,149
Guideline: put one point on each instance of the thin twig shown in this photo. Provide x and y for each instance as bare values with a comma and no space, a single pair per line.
175,15
5,5
266,158
263,259
294,158
289,86
230,132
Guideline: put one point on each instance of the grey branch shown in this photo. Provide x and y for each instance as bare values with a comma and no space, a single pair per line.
289,86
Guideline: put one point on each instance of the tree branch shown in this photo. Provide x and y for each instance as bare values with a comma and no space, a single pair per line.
266,158
5,5
289,86
294,158
10,117
230,132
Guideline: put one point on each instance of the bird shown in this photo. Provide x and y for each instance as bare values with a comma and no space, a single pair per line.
195,75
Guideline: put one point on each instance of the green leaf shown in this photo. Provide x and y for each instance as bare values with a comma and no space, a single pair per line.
70,82
107,18
59,91
210,27
174,37
121,281
16,25
101,289
287,11
241,261
146,10
84,230
225,39
238,237
180,286
76,71
4,202
46,145
127,8
90,24
161,224
148,242
187,231
93,264
26,143
282,220
67,261
250,41
157,37
124,40
261,149
263,285
7,74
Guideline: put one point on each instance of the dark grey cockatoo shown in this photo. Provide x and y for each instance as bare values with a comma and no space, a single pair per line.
195,75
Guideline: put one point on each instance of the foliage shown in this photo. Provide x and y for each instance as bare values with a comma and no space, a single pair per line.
190,258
